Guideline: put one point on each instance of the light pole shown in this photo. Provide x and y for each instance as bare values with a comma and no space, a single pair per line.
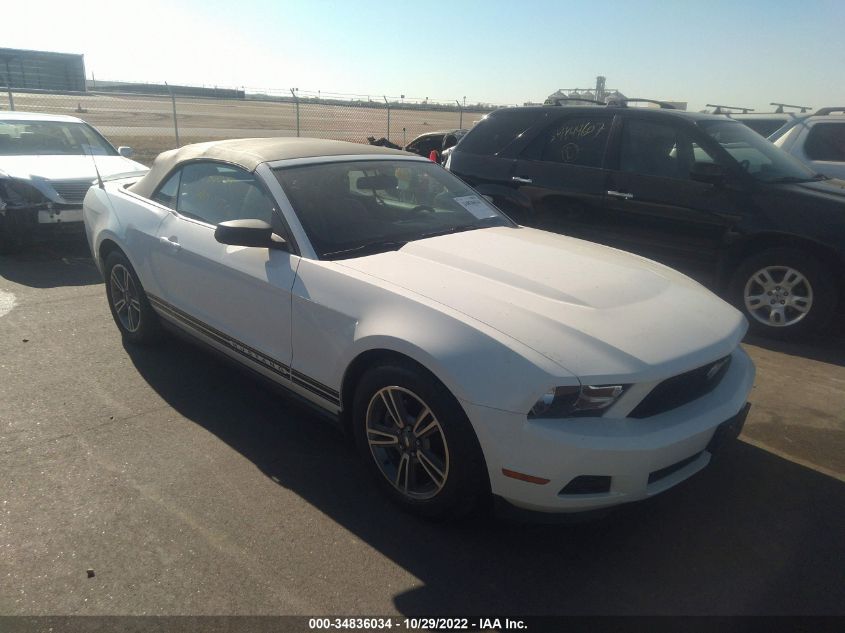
387,103
9,83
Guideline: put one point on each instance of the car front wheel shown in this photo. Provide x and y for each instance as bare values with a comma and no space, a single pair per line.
784,293
12,238
417,442
132,312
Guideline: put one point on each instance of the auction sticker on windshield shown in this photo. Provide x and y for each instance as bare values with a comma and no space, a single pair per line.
476,206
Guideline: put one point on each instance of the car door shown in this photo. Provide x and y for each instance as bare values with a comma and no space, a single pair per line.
562,174
237,297
655,209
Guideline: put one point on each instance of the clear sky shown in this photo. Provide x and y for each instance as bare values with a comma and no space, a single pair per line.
748,52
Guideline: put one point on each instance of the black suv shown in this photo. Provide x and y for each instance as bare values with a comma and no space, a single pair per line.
702,193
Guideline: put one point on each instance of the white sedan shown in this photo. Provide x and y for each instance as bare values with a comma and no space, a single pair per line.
47,164
465,354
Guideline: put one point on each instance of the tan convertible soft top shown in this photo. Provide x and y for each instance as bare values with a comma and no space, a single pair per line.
249,153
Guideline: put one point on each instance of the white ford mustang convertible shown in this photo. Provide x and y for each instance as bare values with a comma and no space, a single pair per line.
465,354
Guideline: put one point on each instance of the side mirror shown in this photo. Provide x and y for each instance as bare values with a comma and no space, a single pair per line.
711,173
249,233
126,151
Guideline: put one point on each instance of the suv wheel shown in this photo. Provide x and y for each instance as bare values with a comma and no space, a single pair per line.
132,312
417,442
784,292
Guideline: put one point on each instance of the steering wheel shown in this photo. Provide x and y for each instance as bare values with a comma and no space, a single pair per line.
745,164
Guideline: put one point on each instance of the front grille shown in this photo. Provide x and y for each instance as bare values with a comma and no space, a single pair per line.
678,390
73,191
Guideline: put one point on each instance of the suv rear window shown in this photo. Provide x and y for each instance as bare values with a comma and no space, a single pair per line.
826,141
497,130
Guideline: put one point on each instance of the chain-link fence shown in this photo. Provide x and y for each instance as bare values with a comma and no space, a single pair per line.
152,123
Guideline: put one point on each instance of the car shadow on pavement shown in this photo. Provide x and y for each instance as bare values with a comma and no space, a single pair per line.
50,264
752,534
827,347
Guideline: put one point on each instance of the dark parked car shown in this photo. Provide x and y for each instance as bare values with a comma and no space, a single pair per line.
699,192
439,140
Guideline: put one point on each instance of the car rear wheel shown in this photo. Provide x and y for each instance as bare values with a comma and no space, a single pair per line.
132,312
784,293
417,441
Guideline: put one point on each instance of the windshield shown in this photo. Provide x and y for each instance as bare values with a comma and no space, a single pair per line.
352,209
28,138
757,156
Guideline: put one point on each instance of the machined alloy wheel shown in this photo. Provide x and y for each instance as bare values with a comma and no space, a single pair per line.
125,298
786,292
407,442
778,296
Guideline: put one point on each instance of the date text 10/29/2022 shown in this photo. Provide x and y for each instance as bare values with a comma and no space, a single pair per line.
417,624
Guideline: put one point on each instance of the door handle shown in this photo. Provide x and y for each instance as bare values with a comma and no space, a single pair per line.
525,181
171,242
619,194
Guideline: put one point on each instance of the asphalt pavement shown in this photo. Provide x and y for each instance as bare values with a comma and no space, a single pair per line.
187,488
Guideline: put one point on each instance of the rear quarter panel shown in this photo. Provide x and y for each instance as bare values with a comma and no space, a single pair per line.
128,220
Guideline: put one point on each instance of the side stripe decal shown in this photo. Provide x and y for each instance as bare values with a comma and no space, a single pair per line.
277,367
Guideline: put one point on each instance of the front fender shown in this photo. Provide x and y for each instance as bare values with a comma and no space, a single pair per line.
339,314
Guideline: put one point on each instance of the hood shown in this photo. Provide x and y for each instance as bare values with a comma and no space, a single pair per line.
598,312
832,189
74,167
65,179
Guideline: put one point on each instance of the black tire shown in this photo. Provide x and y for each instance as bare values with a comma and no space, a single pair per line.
12,241
137,321
465,483
818,284
9,245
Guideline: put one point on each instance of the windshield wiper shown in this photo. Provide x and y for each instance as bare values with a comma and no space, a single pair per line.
482,223
783,180
377,246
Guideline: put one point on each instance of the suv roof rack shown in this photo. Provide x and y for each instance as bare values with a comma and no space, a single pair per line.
781,106
582,100
720,107
623,102
830,110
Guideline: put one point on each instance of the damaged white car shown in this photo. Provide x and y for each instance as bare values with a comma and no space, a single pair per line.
465,354
47,164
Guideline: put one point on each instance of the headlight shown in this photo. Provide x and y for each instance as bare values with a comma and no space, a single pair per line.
19,193
578,401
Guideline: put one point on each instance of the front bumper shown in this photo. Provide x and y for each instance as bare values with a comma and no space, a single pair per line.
638,458
41,218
